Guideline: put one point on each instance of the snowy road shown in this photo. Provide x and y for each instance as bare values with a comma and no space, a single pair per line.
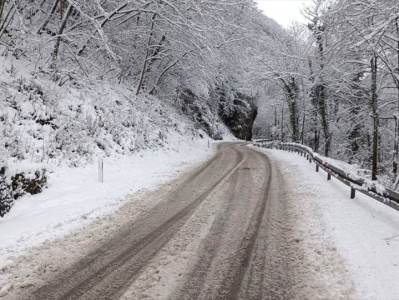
223,231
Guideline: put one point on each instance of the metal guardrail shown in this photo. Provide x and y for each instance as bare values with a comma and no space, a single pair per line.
356,183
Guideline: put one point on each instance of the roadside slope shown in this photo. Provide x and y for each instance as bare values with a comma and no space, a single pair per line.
75,198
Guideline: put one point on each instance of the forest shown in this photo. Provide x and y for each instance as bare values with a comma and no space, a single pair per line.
336,85
332,84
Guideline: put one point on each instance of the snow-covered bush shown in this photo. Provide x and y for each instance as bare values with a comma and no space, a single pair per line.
6,199
17,185
28,182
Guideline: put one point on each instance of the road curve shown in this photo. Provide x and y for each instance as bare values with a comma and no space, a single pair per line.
233,260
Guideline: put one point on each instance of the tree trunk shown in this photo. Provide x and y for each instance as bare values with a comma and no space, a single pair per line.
374,109
151,59
282,124
54,55
147,54
47,20
303,129
396,146
274,133
292,91
321,90
2,4
7,19
316,140
395,149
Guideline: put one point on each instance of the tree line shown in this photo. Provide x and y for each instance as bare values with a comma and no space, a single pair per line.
338,80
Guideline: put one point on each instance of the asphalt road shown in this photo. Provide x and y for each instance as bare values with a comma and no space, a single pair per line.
235,259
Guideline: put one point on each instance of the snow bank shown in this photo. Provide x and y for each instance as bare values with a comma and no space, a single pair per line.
75,197
365,232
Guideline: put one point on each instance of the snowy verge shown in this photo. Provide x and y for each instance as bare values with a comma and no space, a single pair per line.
360,179
366,233
75,197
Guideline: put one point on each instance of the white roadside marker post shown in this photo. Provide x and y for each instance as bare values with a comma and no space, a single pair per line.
101,170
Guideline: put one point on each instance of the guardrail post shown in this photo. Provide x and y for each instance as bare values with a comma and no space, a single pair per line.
317,167
328,176
353,193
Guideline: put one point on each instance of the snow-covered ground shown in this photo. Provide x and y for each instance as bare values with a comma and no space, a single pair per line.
75,196
364,231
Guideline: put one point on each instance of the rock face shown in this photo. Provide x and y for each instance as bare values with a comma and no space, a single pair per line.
201,112
240,118
236,110
239,114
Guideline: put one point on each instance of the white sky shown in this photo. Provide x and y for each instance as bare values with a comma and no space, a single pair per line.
284,11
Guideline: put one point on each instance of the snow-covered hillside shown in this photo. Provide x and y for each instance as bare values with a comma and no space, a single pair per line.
81,119
45,125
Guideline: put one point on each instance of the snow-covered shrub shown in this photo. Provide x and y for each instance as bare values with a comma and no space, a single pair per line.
6,199
28,182
15,186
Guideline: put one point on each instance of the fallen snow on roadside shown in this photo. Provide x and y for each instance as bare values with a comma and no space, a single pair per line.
365,232
75,197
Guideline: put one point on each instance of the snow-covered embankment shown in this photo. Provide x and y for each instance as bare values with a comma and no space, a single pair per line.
364,232
75,196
